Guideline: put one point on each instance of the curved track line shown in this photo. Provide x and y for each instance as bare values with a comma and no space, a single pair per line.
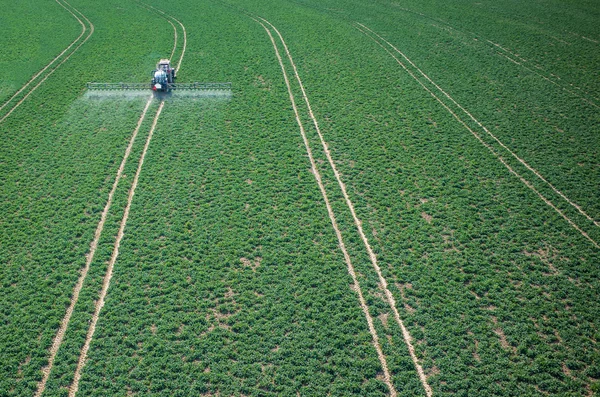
522,60
476,135
383,283
150,8
115,254
184,34
581,211
588,39
106,283
450,27
175,42
89,258
56,67
315,171
579,36
93,246
83,30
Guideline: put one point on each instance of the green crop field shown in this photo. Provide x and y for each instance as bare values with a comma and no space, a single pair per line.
395,199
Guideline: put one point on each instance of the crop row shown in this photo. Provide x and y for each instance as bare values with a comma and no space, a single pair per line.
31,40
498,289
228,278
59,158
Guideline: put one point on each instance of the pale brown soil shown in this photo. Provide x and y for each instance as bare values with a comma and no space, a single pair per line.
251,264
427,217
115,254
83,30
391,301
106,283
89,258
502,337
356,285
91,31
476,135
513,154
167,16
521,62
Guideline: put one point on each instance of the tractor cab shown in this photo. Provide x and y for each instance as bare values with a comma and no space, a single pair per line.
164,64
163,76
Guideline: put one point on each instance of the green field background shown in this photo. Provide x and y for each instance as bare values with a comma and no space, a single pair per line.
230,280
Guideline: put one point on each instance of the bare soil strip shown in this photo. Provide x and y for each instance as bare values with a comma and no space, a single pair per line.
383,283
83,30
315,171
150,8
521,62
590,40
91,31
476,135
184,33
111,264
184,44
93,246
89,258
108,276
535,172
175,41
512,54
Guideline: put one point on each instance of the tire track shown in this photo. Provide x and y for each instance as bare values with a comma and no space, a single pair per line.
83,30
358,223
579,36
167,16
366,32
121,233
149,8
94,245
585,38
518,60
513,154
89,258
315,171
106,283
91,31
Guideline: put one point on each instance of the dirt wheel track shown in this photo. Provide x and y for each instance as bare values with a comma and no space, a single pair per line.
484,128
121,233
152,9
83,30
57,341
317,175
374,36
169,18
89,258
513,57
521,62
90,30
358,223
115,254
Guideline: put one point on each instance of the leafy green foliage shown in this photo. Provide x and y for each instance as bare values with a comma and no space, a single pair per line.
58,158
499,291
32,35
229,278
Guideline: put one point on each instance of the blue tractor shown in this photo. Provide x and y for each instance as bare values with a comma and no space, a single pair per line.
163,81
163,76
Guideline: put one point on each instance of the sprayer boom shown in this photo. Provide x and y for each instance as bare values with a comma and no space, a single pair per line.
169,86
163,81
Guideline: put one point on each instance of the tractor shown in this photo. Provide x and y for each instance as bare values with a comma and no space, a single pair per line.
163,76
163,81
